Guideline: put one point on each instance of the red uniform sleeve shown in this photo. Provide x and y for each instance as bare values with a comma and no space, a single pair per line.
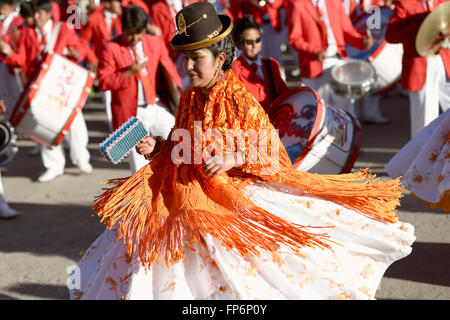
19,58
296,39
351,36
86,37
109,75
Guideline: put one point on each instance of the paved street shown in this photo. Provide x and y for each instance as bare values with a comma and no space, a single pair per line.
56,221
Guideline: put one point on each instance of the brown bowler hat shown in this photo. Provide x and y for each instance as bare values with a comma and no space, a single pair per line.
199,26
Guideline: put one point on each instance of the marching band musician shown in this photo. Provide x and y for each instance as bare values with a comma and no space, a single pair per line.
318,31
124,69
268,15
426,79
261,76
368,108
10,24
102,25
34,44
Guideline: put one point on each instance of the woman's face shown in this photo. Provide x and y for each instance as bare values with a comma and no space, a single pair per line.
251,44
202,67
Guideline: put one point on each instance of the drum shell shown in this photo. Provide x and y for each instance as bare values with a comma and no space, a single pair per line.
352,85
332,144
46,109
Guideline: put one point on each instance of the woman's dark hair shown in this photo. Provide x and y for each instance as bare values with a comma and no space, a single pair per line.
134,18
225,45
243,24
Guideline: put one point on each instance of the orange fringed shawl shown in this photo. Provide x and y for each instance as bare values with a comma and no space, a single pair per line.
167,205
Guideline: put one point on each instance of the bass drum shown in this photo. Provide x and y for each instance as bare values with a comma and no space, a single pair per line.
386,58
318,137
8,147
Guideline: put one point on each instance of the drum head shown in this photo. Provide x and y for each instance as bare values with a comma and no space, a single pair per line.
369,20
353,78
295,114
353,72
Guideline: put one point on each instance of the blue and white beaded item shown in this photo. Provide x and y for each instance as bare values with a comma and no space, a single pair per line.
123,139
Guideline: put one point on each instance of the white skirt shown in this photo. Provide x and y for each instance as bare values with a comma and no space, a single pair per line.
424,162
351,270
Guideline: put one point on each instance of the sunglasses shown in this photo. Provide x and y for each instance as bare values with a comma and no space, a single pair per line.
250,42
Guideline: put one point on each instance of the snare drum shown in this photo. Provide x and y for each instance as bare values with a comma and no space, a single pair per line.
385,57
50,103
318,137
353,78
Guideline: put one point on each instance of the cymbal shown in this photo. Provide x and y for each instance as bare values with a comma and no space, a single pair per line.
436,22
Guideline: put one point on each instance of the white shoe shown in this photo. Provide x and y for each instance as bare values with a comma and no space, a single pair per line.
49,175
6,212
85,168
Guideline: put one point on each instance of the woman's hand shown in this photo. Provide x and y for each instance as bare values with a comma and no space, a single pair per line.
146,146
222,163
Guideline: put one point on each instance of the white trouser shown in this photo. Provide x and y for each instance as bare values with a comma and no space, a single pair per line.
2,198
159,121
9,89
424,104
77,137
106,95
368,108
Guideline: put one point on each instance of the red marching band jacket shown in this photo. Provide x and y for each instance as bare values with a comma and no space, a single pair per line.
403,27
259,88
115,59
12,36
306,38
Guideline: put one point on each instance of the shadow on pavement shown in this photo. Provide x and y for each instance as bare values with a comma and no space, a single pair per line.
427,263
45,229
46,291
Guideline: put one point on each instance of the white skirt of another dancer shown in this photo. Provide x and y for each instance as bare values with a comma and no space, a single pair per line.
424,162
353,269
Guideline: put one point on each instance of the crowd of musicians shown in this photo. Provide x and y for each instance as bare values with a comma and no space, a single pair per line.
127,44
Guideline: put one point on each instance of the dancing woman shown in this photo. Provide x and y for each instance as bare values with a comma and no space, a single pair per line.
230,218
